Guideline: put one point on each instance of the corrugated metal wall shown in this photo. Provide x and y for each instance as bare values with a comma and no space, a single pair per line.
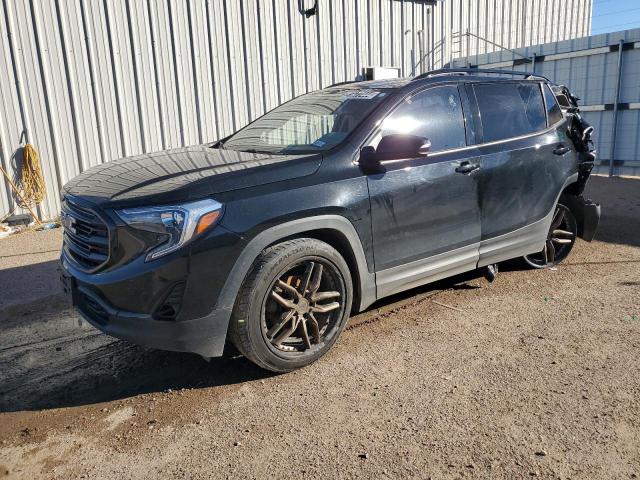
88,81
589,67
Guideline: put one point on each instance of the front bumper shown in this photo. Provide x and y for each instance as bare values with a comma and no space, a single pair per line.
205,336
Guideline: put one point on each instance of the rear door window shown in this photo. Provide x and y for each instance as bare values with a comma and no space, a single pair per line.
435,114
510,110
554,114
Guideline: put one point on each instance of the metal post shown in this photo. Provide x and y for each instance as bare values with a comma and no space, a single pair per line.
468,49
615,110
413,62
420,47
533,63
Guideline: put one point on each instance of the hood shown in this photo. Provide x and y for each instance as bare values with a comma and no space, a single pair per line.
184,174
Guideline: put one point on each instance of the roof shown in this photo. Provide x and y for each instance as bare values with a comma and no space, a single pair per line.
468,74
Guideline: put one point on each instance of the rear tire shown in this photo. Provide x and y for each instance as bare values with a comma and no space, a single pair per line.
293,305
560,240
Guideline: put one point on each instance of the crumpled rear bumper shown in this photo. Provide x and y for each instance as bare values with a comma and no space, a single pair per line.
588,224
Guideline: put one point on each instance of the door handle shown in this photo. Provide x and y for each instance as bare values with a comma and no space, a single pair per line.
466,167
561,150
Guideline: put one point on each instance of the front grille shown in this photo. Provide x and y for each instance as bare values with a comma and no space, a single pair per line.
86,237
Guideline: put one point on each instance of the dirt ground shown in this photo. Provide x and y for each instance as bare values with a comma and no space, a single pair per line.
534,375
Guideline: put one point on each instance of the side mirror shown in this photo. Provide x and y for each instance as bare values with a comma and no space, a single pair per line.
393,147
369,161
399,146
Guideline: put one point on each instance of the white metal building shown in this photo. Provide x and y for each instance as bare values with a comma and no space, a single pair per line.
88,81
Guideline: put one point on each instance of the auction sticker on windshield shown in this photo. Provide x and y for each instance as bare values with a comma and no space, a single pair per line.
362,94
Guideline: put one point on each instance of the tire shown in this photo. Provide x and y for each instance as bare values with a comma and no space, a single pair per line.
300,287
560,240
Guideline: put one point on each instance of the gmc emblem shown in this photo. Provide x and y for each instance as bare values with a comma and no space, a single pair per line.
68,222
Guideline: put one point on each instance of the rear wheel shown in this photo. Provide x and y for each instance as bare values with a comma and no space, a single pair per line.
560,240
293,305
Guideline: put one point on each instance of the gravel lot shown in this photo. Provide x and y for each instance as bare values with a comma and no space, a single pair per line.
535,375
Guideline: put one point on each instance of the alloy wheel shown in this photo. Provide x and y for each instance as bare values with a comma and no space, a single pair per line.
303,307
560,240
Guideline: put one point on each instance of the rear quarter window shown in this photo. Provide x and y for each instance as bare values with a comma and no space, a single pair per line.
510,109
554,114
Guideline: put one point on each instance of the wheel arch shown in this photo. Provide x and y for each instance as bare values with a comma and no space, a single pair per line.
572,198
335,230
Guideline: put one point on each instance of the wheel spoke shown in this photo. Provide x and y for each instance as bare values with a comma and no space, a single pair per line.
307,278
283,301
284,319
562,241
314,327
305,334
316,279
325,308
286,333
288,288
562,233
557,218
320,296
550,252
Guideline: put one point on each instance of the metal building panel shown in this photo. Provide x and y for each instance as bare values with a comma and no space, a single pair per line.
168,92
31,64
222,84
337,38
298,50
284,60
269,54
364,16
630,85
106,98
325,45
351,44
121,77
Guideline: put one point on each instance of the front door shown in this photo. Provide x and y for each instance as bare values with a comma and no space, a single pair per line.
424,211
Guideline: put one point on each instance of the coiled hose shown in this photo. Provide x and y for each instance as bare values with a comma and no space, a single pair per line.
32,181
33,187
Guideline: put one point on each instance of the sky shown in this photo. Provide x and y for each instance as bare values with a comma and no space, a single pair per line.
615,15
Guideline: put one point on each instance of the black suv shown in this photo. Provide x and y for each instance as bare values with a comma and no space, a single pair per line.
271,237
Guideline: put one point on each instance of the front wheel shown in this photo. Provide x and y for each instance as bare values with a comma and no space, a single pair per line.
293,305
560,240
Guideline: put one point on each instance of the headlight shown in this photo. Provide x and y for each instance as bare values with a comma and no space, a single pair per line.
173,225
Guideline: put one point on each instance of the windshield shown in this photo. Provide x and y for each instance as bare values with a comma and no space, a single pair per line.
314,122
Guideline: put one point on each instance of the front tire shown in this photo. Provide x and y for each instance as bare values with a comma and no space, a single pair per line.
293,305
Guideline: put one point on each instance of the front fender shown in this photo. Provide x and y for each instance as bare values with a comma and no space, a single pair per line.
341,225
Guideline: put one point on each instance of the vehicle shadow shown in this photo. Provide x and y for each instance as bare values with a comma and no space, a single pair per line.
93,368
50,358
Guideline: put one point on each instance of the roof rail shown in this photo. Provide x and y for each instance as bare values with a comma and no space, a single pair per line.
477,71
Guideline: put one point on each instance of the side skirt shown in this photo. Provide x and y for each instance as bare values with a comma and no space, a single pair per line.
437,267
525,240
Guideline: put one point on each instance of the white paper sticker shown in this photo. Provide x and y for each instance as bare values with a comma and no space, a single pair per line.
360,94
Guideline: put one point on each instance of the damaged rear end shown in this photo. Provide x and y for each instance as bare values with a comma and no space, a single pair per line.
586,211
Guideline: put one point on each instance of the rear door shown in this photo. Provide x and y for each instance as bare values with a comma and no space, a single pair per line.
425,215
525,157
